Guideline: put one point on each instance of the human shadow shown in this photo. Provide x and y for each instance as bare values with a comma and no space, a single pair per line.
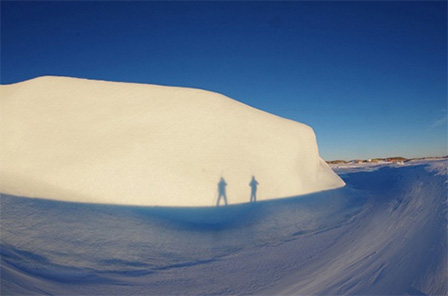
222,191
253,192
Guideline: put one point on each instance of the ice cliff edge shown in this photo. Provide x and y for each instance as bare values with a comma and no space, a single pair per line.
123,143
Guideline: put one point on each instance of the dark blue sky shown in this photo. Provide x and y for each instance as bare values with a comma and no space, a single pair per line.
369,77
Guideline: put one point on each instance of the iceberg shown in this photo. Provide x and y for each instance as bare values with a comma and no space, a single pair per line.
92,141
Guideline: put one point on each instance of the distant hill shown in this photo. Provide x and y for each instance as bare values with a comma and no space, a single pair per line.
386,159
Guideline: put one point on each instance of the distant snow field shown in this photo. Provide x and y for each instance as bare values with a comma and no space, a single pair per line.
384,233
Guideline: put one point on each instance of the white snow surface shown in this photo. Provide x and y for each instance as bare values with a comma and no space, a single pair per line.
123,143
385,233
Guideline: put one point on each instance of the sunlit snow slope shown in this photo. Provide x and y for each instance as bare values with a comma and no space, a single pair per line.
122,143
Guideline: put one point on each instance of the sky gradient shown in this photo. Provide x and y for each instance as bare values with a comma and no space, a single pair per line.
369,77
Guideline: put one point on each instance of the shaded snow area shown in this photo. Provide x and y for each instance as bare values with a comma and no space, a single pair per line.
385,233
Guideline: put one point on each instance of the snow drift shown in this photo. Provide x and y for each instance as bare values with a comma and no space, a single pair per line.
123,143
382,234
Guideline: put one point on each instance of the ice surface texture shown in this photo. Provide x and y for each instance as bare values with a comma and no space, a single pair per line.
382,234
123,143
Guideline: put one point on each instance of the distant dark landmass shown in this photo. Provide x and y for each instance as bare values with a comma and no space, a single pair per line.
397,159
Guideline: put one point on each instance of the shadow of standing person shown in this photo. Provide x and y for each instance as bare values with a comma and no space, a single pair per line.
253,194
222,191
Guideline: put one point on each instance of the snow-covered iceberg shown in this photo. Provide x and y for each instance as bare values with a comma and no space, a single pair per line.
124,143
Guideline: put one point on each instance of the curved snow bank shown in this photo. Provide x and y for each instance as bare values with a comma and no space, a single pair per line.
382,234
122,143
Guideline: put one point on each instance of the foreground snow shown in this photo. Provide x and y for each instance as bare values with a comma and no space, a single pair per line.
135,144
382,234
